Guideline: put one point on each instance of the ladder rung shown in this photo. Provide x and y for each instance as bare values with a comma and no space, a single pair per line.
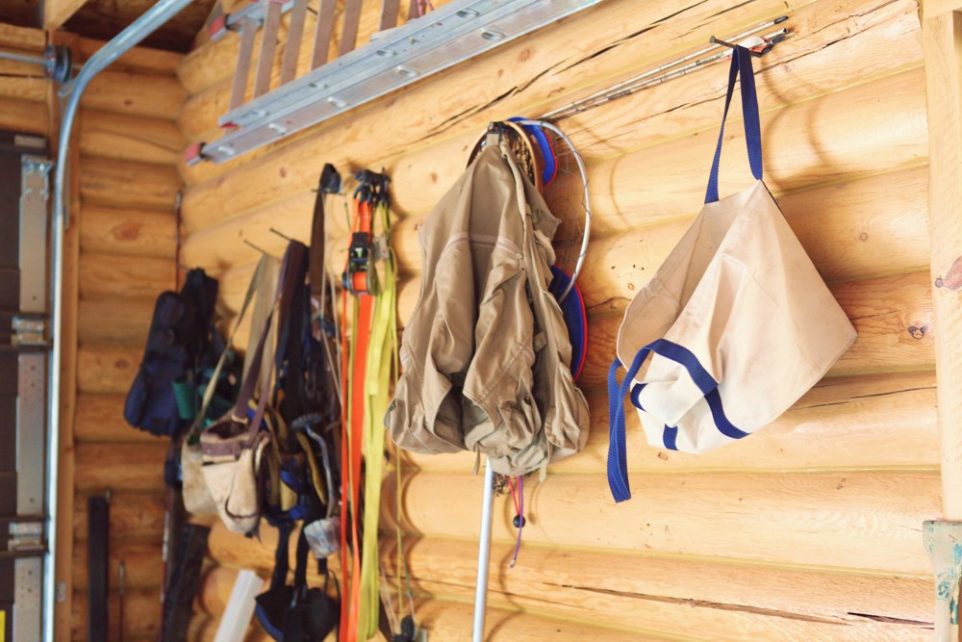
352,19
265,64
244,54
322,36
389,11
295,34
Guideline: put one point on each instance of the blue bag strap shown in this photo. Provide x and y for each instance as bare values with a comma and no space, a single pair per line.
617,460
547,152
741,65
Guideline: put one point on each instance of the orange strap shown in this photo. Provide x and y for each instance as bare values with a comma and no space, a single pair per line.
354,364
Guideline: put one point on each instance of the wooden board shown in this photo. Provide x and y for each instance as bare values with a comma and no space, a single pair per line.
103,368
128,277
132,138
856,520
136,232
682,597
119,467
114,320
142,561
117,183
848,423
141,616
134,516
99,418
135,94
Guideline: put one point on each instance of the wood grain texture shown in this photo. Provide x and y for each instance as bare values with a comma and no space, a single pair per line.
684,596
135,232
100,418
118,320
142,560
26,116
115,183
141,615
57,12
124,276
134,516
943,51
105,368
855,520
132,138
119,466
134,94
140,60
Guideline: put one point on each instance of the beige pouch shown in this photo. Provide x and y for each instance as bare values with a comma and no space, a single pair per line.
733,328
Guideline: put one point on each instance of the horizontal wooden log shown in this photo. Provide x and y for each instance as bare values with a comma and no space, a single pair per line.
121,230
100,418
134,516
893,317
141,616
20,81
852,422
831,139
114,320
125,276
681,597
139,60
17,37
132,94
133,138
855,520
525,84
25,116
446,620
105,368
142,560
859,229
119,466
128,184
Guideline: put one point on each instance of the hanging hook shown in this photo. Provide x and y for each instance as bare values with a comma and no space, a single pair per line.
274,230
259,249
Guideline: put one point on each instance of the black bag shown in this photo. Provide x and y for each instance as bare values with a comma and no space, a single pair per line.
295,613
182,340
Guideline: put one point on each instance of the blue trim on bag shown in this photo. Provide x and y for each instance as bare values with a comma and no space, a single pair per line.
617,459
670,436
741,64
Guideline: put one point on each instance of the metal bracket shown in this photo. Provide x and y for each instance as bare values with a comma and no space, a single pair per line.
255,11
29,332
34,214
454,33
943,541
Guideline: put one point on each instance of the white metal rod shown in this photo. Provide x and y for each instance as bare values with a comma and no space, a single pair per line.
484,553
71,93
25,58
626,86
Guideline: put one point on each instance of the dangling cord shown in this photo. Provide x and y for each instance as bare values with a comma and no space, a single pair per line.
516,485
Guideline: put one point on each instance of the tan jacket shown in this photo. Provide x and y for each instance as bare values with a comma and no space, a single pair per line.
486,356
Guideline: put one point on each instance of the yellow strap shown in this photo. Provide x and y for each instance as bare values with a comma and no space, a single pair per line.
379,376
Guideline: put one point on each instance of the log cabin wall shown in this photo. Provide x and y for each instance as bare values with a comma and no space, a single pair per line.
810,529
127,181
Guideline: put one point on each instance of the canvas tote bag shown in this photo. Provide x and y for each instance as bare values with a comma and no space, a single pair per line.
733,328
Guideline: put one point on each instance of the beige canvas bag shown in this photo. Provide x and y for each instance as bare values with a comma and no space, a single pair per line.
733,328
196,494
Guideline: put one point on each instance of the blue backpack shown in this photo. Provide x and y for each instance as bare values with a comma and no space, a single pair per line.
181,345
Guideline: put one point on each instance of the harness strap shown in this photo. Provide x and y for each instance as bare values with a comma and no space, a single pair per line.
741,64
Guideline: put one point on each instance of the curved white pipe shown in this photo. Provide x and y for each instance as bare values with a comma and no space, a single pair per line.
70,94
586,202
